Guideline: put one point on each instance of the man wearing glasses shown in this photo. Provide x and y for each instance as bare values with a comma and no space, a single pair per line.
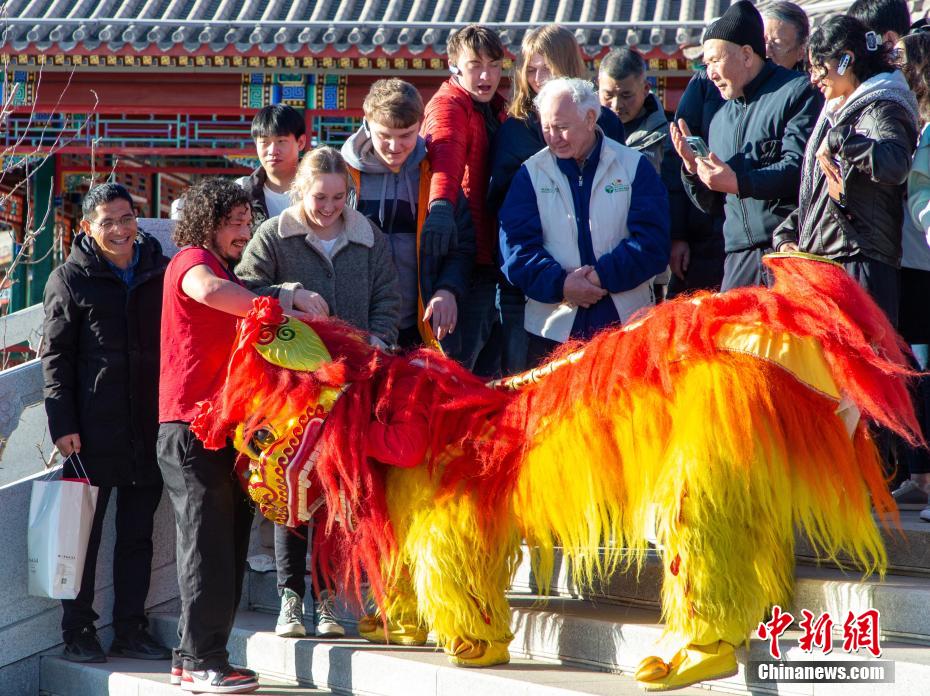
100,362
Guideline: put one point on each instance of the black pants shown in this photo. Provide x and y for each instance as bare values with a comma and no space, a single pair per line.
132,562
705,272
511,304
290,557
213,517
881,281
472,343
917,459
538,350
409,338
744,268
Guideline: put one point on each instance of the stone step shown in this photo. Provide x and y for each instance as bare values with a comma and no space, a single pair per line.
354,666
569,647
903,601
124,677
908,548
615,638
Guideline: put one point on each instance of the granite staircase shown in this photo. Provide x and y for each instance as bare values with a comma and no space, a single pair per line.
571,645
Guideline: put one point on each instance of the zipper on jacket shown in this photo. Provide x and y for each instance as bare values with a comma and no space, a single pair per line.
739,139
132,407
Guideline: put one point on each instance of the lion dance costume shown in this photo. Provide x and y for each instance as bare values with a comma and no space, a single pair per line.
719,422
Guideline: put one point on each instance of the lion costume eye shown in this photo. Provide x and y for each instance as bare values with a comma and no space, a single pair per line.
261,439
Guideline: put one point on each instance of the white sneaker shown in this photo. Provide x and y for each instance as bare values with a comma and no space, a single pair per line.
324,609
223,680
291,617
925,514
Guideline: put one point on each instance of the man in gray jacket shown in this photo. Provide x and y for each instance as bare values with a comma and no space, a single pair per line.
756,142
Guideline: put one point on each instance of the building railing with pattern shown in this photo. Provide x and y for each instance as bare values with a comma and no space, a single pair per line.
79,132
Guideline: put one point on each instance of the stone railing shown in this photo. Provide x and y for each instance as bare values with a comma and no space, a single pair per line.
24,326
24,446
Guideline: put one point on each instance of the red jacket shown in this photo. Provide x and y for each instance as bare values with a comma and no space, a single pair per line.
459,154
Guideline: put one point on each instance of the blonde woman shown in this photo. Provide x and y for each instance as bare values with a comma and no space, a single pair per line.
546,52
332,258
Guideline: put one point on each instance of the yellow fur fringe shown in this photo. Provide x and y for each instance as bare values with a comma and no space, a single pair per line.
737,457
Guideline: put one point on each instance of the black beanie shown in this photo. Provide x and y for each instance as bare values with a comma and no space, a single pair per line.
740,24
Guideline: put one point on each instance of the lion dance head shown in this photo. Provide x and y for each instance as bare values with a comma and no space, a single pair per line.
283,378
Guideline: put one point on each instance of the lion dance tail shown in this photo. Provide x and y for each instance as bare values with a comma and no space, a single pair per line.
722,423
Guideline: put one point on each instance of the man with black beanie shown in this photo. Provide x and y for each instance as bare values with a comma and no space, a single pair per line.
756,141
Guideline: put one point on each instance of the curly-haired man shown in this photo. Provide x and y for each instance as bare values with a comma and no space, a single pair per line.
202,301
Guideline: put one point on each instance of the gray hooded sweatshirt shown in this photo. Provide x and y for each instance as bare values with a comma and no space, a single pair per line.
389,199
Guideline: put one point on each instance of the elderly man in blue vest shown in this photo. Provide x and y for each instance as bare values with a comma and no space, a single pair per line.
585,225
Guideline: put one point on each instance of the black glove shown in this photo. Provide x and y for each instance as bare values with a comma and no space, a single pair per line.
439,234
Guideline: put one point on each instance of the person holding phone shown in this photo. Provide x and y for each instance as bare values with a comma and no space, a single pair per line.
857,160
755,142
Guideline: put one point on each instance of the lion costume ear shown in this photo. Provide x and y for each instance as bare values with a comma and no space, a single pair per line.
293,345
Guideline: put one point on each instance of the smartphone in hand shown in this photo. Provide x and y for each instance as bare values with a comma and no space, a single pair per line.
837,189
697,145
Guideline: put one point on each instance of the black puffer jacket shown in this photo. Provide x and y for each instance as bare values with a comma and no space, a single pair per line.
101,361
873,137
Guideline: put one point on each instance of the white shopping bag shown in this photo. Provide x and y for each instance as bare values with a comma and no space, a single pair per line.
60,517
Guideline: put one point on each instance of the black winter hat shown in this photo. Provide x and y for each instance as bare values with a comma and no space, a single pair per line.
740,24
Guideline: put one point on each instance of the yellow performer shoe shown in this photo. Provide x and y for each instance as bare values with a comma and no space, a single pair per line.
465,653
371,629
692,664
